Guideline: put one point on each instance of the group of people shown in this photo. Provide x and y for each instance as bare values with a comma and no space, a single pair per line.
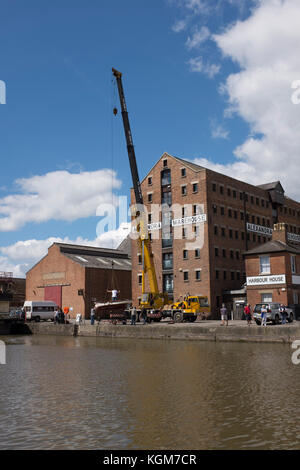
249,315
60,316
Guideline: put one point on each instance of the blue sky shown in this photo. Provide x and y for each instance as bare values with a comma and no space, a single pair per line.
56,60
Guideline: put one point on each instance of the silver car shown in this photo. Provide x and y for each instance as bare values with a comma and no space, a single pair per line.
273,313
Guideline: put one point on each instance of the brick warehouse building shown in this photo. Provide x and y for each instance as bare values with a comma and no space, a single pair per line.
233,216
74,276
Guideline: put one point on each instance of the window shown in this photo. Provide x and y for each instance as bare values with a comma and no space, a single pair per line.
257,201
242,215
236,234
234,193
231,254
185,276
232,275
198,275
140,277
150,181
229,213
293,264
252,200
224,275
183,172
185,254
197,253
139,259
228,191
214,208
195,188
183,191
165,177
217,274
167,260
216,251
222,210
221,189
216,230
264,262
266,298
214,187
165,162
235,214
149,218
237,255
230,233
168,283
183,233
150,197
223,231
224,253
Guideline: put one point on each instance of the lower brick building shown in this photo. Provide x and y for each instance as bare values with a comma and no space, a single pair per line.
273,271
76,276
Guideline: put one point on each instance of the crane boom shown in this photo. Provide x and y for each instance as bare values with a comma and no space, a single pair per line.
129,140
144,242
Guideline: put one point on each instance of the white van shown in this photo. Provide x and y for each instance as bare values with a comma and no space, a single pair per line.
39,310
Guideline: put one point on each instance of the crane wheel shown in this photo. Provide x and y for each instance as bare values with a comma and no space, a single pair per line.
178,317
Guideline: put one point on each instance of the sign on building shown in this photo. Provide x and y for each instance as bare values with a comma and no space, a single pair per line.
266,280
259,229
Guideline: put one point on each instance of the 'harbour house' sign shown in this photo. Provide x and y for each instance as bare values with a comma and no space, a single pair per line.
266,280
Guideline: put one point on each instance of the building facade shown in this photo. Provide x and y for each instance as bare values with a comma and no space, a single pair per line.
12,292
273,270
225,216
76,276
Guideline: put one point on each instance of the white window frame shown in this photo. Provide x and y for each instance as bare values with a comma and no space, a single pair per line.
293,264
262,266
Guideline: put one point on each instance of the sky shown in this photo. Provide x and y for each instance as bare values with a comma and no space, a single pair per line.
212,81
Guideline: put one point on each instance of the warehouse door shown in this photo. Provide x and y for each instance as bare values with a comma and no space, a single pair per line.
53,293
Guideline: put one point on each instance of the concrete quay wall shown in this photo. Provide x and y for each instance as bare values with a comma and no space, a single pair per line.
206,331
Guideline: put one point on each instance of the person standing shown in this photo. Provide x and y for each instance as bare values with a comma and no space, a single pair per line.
93,313
263,312
56,316
247,312
133,315
224,315
283,312
114,294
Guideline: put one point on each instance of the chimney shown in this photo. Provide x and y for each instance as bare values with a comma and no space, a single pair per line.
280,233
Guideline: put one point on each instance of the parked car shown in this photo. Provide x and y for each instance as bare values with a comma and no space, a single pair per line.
39,310
273,313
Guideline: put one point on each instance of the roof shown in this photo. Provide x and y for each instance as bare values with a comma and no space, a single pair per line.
273,246
96,257
270,186
125,245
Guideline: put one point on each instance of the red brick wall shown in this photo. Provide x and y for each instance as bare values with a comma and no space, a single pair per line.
280,264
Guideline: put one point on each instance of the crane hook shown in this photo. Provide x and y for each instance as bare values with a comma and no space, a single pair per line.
115,111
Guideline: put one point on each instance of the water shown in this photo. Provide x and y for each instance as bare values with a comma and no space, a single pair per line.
103,393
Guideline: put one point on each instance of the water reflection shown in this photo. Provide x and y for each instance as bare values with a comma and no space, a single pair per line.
108,393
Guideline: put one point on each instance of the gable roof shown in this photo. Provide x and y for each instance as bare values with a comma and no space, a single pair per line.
273,246
96,257
270,186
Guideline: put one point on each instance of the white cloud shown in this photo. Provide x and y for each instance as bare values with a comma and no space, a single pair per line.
197,65
265,48
217,130
22,255
199,36
179,26
58,195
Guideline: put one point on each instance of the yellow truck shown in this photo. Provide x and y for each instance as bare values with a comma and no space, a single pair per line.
188,309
